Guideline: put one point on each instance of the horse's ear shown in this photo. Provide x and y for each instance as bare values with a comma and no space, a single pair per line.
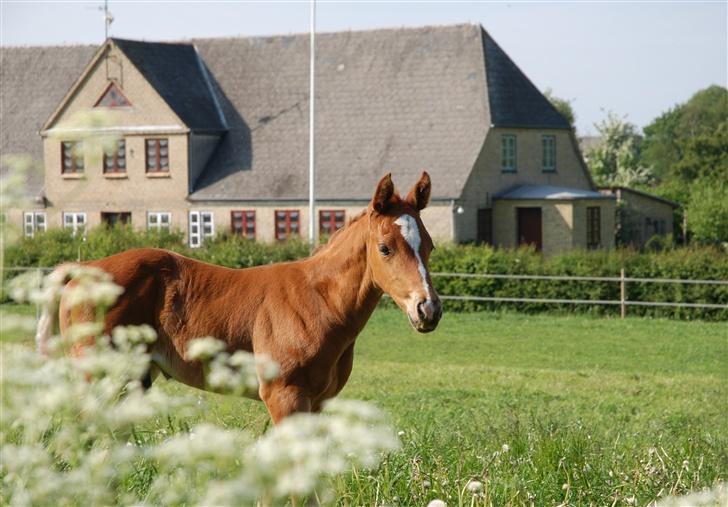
419,196
383,194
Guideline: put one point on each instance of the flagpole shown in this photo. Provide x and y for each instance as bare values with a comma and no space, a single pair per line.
311,131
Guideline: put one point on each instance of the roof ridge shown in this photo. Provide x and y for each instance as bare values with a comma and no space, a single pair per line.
422,28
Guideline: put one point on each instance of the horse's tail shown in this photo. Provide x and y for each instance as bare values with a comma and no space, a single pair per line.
48,324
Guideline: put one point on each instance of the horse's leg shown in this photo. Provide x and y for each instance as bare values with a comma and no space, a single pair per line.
284,400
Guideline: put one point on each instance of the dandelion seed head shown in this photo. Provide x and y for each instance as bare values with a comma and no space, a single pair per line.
474,486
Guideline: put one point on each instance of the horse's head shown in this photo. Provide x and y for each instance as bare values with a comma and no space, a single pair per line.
398,249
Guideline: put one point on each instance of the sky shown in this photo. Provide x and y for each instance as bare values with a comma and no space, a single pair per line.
636,59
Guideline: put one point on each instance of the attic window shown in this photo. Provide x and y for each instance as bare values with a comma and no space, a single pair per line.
112,97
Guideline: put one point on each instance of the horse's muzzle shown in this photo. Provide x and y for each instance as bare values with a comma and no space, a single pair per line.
429,312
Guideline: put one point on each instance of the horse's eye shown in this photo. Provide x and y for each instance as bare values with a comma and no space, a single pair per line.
384,250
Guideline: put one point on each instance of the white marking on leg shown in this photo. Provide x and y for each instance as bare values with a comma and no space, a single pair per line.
411,234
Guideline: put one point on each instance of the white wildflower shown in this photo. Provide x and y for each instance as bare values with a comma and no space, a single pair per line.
505,448
437,503
718,495
267,367
201,349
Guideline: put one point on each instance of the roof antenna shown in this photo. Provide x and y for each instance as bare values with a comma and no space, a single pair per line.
108,18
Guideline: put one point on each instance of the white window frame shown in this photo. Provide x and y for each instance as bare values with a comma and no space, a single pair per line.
196,221
31,225
159,226
548,153
75,223
509,160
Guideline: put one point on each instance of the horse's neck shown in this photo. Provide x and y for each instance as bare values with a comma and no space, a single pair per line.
341,268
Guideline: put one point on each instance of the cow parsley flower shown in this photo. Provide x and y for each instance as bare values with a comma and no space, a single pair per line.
201,349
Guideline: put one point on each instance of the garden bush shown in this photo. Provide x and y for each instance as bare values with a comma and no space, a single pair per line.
697,263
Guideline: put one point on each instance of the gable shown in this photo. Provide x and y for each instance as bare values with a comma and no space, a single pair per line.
109,70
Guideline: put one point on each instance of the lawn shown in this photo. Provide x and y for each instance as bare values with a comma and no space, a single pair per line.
541,409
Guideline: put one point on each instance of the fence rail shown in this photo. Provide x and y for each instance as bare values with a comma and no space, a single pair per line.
622,302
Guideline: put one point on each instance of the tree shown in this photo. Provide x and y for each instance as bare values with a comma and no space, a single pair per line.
707,211
690,140
563,106
616,160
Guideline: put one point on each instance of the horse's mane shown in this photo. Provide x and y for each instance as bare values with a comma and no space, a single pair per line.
332,239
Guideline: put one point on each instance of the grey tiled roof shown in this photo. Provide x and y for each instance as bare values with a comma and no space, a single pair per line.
386,100
514,100
33,81
178,75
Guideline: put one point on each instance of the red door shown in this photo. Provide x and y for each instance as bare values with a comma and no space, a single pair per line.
529,227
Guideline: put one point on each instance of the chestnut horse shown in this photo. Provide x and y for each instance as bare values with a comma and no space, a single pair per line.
305,314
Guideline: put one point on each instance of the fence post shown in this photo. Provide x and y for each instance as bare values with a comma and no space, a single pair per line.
622,294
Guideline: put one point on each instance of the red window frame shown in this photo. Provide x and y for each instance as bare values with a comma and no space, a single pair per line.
246,219
74,151
331,220
284,220
156,143
114,167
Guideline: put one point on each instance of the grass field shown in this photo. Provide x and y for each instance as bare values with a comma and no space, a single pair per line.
543,410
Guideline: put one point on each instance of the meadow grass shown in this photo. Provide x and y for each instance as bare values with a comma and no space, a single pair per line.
542,410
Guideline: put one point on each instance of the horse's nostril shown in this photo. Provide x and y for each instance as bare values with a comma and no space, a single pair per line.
421,311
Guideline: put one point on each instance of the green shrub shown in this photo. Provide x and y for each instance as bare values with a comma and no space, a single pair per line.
696,263
58,245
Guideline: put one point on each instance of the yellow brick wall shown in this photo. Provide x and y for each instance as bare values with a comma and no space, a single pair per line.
487,178
563,223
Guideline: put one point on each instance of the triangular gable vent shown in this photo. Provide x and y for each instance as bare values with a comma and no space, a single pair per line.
113,97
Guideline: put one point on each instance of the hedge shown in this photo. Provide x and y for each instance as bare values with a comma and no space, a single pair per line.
58,245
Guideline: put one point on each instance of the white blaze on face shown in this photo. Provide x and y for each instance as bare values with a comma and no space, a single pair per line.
411,234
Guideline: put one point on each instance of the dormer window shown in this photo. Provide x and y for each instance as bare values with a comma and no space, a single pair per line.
112,97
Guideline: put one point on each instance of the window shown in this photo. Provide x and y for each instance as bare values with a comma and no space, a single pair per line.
201,227
331,221
485,226
34,221
243,223
593,227
75,221
115,160
157,153
287,223
112,97
113,218
71,157
548,145
508,153
157,221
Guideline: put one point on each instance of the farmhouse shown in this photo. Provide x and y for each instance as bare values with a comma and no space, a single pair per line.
211,136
